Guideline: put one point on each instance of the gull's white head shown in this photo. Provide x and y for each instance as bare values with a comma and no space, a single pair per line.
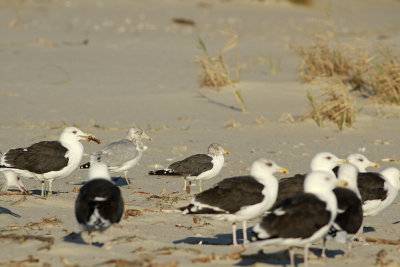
361,162
98,169
262,167
325,161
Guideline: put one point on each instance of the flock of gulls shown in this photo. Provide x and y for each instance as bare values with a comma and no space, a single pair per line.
329,203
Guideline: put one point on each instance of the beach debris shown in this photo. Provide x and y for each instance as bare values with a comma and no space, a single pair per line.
16,193
389,160
381,142
22,238
133,213
67,263
144,261
231,124
235,255
261,121
21,200
30,259
381,258
183,21
382,241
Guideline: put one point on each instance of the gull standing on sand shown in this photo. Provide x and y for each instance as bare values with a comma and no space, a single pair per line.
48,160
99,203
350,213
122,155
323,161
197,167
239,199
301,219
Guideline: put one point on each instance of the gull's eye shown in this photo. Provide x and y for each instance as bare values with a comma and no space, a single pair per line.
328,157
269,164
74,132
327,178
361,160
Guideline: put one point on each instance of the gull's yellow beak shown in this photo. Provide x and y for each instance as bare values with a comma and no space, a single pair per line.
227,152
283,170
342,183
374,164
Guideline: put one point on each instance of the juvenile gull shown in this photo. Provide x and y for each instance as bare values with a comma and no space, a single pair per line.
239,199
48,160
301,219
99,203
122,155
197,167
350,214
323,161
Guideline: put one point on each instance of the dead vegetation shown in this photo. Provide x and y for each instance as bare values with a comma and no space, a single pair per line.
216,71
345,71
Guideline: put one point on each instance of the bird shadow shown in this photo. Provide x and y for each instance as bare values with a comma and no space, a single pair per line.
39,192
368,229
76,238
119,181
282,257
218,103
218,240
9,212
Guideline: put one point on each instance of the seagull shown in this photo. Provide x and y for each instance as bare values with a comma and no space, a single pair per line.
122,155
350,213
323,161
13,180
197,167
99,203
239,199
361,162
48,160
301,219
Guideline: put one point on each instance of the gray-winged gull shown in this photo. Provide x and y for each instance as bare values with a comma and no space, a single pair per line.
122,155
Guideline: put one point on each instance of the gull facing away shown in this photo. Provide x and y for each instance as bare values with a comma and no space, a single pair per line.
197,167
99,203
48,160
239,199
122,155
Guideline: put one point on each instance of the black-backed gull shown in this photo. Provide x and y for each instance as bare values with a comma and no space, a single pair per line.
99,203
323,161
301,219
197,167
48,160
239,199
122,155
350,213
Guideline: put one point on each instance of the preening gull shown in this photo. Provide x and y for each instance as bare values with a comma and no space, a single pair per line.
48,160
323,161
12,180
197,167
301,219
350,214
122,155
239,199
99,203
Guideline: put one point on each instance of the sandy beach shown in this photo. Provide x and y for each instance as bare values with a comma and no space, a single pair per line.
104,66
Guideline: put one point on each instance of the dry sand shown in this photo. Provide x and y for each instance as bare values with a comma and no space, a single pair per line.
105,65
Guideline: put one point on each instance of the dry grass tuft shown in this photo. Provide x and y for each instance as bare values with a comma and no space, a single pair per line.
216,72
334,104
373,71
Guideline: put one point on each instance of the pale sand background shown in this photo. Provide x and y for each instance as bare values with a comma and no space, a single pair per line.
138,67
